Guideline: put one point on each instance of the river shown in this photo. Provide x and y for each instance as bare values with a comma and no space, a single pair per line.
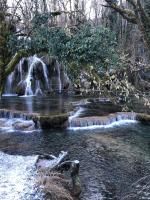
112,159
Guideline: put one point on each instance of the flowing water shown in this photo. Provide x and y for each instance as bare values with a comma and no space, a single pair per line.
30,74
59,79
34,61
112,159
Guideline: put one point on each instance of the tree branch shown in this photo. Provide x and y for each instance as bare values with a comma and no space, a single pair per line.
144,18
132,2
15,60
127,14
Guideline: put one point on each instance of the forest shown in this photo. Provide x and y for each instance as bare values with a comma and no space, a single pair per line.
103,39
75,82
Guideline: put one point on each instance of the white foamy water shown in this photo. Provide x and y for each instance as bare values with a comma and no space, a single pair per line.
113,124
119,120
76,114
33,61
9,125
9,95
59,79
18,178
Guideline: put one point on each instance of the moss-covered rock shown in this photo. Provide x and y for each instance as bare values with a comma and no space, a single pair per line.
143,118
53,121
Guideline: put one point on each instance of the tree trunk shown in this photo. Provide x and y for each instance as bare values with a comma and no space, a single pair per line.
136,15
2,76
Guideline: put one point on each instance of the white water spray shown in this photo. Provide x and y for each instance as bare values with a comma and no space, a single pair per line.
35,60
9,84
59,79
117,119
18,177
20,69
38,89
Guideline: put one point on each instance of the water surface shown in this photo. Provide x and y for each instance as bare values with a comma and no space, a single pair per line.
111,160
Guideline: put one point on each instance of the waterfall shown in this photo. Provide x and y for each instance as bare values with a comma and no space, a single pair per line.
31,77
59,79
38,89
45,73
20,69
9,84
28,90
76,122
35,60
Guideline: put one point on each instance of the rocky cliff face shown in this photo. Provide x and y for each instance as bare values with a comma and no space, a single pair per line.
37,76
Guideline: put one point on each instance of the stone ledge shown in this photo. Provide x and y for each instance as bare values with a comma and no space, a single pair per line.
143,118
45,121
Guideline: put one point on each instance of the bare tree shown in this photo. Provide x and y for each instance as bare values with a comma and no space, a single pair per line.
137,15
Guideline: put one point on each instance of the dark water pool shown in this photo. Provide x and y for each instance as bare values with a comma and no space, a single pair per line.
55,105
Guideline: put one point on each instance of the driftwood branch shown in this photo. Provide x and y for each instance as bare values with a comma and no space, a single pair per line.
50,163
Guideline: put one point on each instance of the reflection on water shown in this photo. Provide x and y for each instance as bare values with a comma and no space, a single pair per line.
54,104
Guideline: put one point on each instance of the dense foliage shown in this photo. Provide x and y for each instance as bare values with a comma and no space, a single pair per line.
78,49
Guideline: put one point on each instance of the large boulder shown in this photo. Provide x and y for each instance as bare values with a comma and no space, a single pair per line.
54,121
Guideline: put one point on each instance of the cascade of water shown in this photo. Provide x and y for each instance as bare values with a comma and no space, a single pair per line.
38,89
75,115
59,79
76,122
32,62
20,69
45,71
45,74
9,83
28,90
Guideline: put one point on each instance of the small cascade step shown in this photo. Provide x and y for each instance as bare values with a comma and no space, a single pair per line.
42,121
103,120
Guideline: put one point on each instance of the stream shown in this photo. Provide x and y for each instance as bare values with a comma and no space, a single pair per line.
112,159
